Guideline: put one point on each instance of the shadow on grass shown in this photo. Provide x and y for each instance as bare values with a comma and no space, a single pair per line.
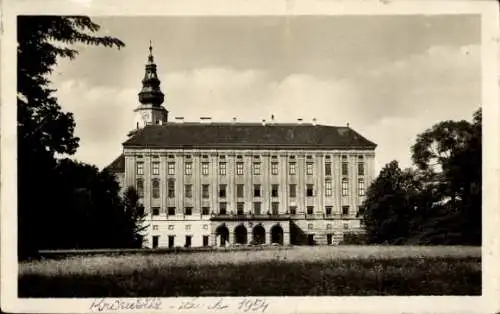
406,276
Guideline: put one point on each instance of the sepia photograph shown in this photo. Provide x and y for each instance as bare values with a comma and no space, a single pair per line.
173,156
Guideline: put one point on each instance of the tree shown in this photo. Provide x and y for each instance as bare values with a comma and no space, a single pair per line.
43,128
133,219
451,153
389,205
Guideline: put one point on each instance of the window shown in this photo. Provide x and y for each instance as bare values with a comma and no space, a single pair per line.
188,191
310,190
346,226
275,208
170,227
188,227
293,210
345,210
328,210
171,241
328,168
222,208
205,227
345,166
328,226
256,168
188,211
222,190
155,211
239,168
205,240
240,208
361,187
256,190
171,188
310,226
156,168
156,240
205,210
328,187
171,168
222,168
188,168
140,168
309,168
310,210
345,187
205,193
171,156
204,168
293,190
274,168
361,168
274,190
291,168
171,211
239,190
256,208
361,211
139,186
188,241
156,188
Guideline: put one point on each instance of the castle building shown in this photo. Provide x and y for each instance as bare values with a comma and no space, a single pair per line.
216,184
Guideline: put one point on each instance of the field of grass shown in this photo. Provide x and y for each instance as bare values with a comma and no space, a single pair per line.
365,270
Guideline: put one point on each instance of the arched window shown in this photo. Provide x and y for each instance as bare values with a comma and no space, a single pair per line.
140,187
156,188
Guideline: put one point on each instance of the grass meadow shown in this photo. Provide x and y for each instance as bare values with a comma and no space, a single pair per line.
291,271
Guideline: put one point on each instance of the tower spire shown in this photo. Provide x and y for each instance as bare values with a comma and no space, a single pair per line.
151,93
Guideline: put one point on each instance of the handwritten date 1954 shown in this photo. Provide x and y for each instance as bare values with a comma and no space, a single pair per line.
253,305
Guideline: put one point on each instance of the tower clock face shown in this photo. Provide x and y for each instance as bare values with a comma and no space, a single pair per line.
145,116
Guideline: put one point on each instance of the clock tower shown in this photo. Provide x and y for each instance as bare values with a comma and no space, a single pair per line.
151,111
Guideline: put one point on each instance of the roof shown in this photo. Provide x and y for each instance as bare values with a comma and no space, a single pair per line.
118,165
247,136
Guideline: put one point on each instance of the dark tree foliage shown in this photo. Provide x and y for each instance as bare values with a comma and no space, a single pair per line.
43,128
439,202
133,219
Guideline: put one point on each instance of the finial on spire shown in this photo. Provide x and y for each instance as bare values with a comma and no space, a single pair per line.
150,57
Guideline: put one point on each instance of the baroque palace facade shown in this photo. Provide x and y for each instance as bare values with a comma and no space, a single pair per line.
215,184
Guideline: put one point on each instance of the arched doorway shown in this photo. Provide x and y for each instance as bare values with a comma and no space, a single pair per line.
277,234
222,235
240,234
259,234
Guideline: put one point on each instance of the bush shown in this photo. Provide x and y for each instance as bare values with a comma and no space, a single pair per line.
351,238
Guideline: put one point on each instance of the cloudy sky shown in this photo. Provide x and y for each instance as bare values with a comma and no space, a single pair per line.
390,77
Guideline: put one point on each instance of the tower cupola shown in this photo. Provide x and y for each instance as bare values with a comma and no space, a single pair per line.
151,93
151,111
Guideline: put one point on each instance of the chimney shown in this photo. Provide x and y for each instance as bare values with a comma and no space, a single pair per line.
347,124
179,119
314,121
272,118
206,119
263,121
299,120
234,119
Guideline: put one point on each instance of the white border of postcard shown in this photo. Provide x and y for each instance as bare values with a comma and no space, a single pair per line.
487,303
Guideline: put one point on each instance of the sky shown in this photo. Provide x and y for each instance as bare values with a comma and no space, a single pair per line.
389,77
